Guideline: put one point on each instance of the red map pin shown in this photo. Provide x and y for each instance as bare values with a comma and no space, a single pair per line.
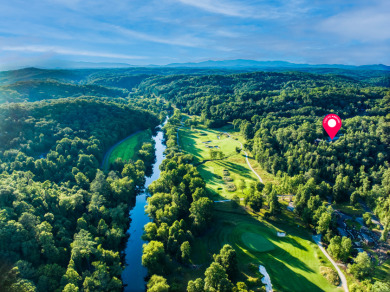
332,124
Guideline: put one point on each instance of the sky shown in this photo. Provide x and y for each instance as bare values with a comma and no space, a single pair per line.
353,32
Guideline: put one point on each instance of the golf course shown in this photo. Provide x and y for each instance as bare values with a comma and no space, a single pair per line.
293,262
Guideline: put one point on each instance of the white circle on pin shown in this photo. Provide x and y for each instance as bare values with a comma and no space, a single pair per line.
332,123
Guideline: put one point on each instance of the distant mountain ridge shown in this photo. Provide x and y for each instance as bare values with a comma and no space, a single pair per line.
237,64
241,63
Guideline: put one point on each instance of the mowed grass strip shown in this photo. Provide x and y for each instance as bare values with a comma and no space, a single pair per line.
256,242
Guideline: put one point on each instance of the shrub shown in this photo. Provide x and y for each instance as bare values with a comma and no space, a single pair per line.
227,178
330,275
231,187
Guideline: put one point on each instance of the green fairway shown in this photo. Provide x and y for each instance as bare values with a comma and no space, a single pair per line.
126,150
256,242
293,262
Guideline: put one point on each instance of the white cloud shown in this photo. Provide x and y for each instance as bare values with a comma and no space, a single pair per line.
67,51
182,40
368,23
259,11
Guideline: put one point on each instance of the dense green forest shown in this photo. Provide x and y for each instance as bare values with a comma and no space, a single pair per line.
62,220
37,90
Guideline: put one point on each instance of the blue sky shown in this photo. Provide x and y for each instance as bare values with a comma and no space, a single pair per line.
168,31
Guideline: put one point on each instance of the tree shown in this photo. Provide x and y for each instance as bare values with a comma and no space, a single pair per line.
242,185
259,186
216,279
196,286
83,247
380,287
100,185
238,150
256,201
213,154
240,287
82,180
367,219
275,206
362,266
201,213
341,188
346,245
70,288
324,223
157,284
227,258
154,257
185,249
339,248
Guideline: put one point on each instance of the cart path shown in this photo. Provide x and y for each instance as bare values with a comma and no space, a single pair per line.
247,161
343,280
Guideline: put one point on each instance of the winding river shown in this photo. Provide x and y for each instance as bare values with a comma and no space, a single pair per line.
134,273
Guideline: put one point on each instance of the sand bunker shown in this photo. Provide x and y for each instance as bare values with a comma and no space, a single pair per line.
266,279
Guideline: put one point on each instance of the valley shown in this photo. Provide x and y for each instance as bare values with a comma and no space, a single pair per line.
94,203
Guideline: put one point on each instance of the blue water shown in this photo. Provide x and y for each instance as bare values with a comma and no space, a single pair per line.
134,273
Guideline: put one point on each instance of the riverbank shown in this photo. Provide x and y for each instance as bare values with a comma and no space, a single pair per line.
134,273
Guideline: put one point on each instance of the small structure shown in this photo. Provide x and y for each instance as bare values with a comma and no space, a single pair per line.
317,141
367,239
290,207
281,234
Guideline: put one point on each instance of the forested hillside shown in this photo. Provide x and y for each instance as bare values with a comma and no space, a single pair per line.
38,90
62,220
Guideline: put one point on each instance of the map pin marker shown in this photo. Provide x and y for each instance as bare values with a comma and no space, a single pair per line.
332,124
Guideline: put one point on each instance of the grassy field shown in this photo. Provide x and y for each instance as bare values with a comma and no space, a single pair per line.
293,262
128,148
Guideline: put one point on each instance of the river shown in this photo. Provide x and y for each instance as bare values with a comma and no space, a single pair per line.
134,273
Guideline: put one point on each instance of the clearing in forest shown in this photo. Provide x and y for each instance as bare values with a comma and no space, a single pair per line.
127,148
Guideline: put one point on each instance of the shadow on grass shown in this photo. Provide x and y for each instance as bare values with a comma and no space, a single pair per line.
282,266
241,170
187,141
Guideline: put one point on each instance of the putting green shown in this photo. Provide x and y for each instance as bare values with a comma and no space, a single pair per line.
256,242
